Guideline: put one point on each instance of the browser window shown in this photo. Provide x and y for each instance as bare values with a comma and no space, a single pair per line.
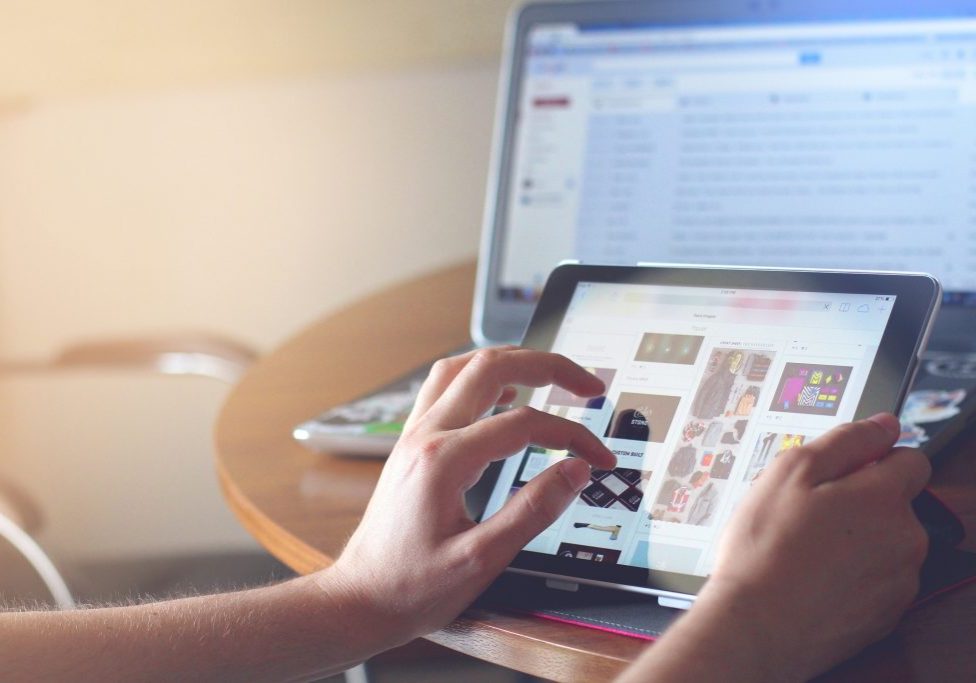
842,145
705,387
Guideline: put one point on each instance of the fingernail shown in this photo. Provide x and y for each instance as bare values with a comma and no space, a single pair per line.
577,473
887,422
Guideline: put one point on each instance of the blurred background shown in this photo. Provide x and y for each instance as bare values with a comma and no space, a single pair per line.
237,168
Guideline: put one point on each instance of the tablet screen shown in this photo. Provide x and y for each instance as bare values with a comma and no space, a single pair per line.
705,386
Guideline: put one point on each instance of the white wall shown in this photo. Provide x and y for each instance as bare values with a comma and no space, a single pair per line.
248,210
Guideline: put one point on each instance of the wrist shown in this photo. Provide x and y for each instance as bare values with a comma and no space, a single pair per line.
756,642
364,620
723,637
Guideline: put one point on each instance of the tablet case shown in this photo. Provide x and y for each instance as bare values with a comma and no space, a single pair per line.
640,616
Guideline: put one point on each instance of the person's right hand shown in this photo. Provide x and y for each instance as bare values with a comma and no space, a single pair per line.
820,559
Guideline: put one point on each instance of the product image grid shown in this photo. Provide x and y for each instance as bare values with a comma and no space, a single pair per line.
710,441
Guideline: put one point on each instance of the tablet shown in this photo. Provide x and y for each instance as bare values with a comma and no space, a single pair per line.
710,373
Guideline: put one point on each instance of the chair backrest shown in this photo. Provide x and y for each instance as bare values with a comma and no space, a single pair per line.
175,354
188,354
38,561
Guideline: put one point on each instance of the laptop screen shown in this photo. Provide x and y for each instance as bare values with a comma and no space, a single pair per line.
822,144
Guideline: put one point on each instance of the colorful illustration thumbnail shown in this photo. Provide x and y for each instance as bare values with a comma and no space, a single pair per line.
811,389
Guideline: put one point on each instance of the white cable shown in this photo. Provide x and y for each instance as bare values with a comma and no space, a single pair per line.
41,563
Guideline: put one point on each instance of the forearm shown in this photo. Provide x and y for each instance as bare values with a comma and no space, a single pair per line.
303,629
715,642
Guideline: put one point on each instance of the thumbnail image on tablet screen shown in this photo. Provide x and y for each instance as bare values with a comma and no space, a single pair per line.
705,387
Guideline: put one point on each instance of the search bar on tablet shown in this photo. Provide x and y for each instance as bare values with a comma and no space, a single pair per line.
747,302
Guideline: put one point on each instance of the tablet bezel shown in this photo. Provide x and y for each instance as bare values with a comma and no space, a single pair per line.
918,297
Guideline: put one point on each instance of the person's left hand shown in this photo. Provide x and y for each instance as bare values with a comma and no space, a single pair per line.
417,559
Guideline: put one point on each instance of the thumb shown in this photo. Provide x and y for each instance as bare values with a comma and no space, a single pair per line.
849,447
531,510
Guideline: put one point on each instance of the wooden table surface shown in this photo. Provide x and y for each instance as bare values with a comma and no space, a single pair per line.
302,506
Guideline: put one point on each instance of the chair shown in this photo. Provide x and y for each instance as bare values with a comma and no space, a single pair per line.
191,354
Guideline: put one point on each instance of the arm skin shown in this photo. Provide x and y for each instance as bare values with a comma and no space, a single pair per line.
794,590
298,630
415,562
820,560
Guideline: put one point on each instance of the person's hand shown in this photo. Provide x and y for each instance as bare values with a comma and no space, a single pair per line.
820,559
826,551
417,559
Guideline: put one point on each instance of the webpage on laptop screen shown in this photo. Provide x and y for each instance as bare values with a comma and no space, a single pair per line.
704,388
835,145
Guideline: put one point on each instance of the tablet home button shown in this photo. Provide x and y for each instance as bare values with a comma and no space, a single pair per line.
570,586
674,603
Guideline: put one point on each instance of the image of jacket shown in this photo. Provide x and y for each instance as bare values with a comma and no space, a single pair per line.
683,461
734,436
704,506
679,499
747,402
667,490
723,465
757,367
713,394
692,430
712,434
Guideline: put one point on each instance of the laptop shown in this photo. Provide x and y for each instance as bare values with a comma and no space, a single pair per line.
794,133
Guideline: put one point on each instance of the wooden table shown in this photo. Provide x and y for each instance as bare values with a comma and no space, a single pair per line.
302,507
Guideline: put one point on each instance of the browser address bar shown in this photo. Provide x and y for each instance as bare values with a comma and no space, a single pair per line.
749,302
659,61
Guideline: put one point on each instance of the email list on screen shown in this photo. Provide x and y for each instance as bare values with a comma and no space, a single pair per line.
840,145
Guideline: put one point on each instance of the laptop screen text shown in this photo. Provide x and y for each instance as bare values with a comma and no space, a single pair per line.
841,145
